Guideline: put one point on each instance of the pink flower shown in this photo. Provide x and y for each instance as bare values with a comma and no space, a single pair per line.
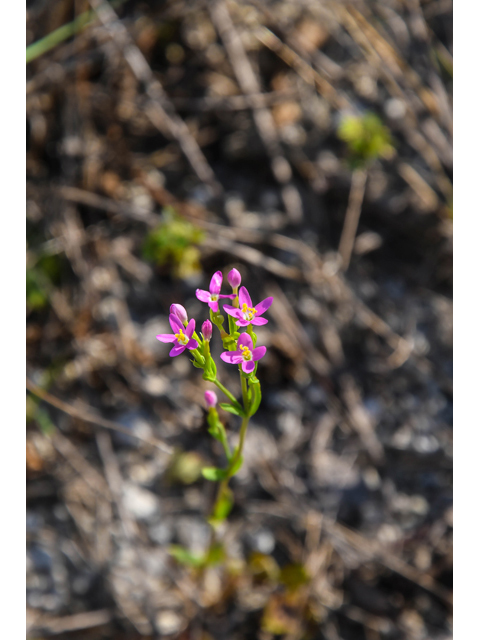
210,399
182,340
247,313
213,295
234,278
180,312
207,330
246,354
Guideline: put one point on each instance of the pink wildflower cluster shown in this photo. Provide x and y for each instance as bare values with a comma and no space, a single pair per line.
242,310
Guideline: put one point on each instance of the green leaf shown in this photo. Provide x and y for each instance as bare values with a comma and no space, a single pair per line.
184,556
256,397
236,467
214,473
232,409
215,433
215,555
213,429
196,365
46,425
231,325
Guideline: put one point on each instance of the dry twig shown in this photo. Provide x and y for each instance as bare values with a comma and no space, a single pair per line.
263,118
89,417
76,622
160,110
352,216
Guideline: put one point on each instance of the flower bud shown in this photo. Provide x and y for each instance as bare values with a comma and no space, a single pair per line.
210,399
207,330
234,278
180,312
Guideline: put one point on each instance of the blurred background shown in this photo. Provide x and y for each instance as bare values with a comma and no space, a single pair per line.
309,145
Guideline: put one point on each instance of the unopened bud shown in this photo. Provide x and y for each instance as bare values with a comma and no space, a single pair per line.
234,278
210,399
180,312
207,330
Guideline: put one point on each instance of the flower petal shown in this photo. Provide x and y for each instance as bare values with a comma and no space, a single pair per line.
202,295
259,352
242,323
259,321
192,344
213,306
262,306
166,337
244,297
232,311
245,341
227,295
177,350
248,366
190,328
175,323
216,282
233,357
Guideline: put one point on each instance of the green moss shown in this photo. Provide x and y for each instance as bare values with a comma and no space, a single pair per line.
175,243
366,137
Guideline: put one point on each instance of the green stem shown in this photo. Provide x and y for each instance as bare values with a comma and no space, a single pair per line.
229,395
233,461
246,404
223,486
252,335
224,442
231,325
206,349
38,48
238,451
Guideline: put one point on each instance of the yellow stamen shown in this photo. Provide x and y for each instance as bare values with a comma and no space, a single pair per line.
181,337
248,312
246,353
